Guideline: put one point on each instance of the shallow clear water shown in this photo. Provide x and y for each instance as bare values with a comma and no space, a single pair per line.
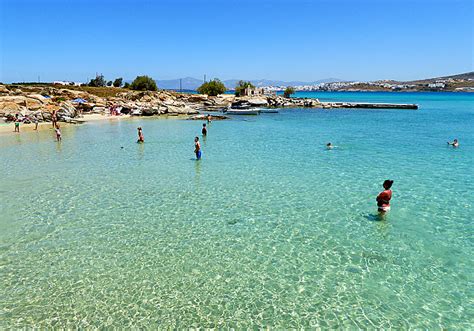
268,229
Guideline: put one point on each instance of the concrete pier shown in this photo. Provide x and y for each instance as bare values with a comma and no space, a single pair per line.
369,105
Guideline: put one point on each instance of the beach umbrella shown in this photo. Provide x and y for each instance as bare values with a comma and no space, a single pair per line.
79,100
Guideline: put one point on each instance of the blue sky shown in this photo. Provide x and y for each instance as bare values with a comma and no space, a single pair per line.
287,40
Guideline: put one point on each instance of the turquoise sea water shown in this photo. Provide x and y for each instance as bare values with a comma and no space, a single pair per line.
268,229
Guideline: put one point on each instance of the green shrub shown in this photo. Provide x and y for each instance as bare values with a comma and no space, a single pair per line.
143,83
98,81
212,88
118,82
288,92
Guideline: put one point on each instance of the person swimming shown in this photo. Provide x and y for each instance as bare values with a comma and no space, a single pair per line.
330,146
384,197
141,138
197,148
455,143
204,129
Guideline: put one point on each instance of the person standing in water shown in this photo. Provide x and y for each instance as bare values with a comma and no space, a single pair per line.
54,119
455,143
17,124
141,138
58,133
384,197
197,148
36,124
209,118
204,130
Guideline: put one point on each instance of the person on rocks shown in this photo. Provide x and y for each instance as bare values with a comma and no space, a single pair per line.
197,148
141,138
204,130
384,197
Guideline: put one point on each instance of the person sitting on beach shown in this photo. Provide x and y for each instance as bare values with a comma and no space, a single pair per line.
204,129
58,133
197,148
455,143
384,197
209,118
141,138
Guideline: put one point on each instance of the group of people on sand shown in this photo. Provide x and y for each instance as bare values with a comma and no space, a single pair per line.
25,119
197,144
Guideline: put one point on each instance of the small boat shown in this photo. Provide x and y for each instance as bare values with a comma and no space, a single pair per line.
243,111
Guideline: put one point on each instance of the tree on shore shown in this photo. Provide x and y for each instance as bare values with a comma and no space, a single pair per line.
98,81
118,82
143,83
109,83
126,85
288,92
212,88
241,86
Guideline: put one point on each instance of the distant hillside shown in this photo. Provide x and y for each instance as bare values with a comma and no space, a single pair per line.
464,76
189,83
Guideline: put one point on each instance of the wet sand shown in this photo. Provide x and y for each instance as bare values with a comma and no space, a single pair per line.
8,128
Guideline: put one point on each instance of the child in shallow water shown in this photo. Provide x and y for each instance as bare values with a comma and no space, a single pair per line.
141,138
384,197
197,148
58,133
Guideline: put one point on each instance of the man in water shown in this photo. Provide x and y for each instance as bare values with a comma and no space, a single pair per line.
141,138
384,197
455,143
54,119
204,129
209,118
330,146
197,148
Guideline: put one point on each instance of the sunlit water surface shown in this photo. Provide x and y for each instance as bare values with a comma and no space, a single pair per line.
268,229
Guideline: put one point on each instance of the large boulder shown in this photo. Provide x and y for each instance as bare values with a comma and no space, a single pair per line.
66,111
9,107
258,102
4,90
181,110
150,111
18,99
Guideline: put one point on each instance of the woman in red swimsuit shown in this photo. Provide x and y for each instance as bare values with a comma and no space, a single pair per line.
384,197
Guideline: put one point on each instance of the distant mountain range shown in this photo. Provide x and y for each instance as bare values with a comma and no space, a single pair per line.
189,83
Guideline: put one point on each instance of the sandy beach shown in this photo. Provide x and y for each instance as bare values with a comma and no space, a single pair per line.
8,128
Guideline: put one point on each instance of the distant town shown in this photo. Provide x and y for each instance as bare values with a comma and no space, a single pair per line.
457,83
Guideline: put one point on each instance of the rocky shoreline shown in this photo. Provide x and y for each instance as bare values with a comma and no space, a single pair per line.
38,103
